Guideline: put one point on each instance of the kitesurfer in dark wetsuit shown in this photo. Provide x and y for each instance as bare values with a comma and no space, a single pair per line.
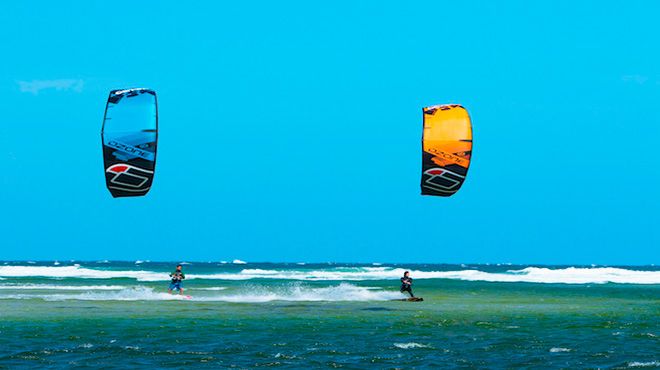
406,284
177,276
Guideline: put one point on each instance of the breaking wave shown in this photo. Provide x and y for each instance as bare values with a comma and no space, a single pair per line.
559,349
410,345
644,364
569,275
59,287
76,271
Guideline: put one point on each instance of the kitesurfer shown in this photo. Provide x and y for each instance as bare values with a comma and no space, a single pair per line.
406,284
177,277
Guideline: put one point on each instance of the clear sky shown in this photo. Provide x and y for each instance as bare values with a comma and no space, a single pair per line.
290,131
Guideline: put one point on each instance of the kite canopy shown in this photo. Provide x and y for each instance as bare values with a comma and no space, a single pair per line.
130,134
446,149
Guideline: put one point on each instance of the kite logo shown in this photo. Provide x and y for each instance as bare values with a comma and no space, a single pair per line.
128,178
131,150
442,180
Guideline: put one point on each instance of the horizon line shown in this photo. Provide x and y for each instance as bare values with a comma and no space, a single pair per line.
242,262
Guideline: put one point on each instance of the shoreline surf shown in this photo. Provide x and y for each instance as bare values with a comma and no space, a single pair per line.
313,272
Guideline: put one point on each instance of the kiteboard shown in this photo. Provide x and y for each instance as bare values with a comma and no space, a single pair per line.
412,299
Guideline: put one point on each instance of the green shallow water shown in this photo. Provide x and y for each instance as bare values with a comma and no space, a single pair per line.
460,324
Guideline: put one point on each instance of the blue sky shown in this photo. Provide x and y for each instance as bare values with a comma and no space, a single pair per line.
291,131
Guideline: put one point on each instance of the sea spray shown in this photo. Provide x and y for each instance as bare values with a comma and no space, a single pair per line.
249,294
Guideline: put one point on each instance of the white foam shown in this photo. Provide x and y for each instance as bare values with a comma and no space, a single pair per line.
644,364
256,294
296,292
570,275
238,262
59,287
596,275
76,271
559,349
215,288
410,345
131,294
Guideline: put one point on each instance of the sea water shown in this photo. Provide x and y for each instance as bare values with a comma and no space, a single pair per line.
247,315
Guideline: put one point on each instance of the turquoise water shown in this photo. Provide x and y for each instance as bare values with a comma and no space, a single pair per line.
117,315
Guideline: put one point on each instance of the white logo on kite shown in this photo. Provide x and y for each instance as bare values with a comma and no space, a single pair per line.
127,177
442,180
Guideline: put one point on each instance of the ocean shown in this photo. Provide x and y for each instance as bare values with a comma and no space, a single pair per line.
110,314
